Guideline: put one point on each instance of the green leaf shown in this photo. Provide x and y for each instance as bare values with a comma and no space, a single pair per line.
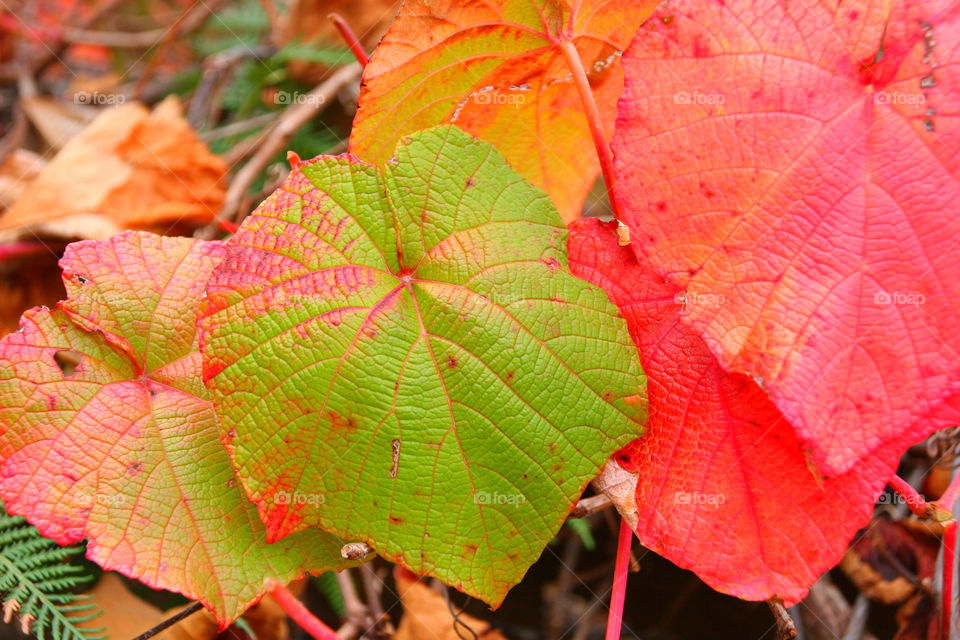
581,527
401,356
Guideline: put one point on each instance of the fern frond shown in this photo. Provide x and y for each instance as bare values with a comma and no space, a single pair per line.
37,584
326,584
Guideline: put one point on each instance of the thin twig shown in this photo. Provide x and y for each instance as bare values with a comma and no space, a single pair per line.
169,622
786,629
590,505
239,127
294,117
16,135
217,69
858,618
53,53
114,39
192,16
372,586
355,609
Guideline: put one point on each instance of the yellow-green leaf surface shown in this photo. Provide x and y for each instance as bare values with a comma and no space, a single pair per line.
107,432
496,68
400,356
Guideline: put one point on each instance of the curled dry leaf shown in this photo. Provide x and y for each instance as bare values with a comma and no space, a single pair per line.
107,433
130,168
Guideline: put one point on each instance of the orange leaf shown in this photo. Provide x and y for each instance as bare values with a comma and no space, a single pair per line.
129,169
496,70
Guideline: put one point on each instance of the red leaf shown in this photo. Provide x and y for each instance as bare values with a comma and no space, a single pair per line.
793,169
724,488
107,432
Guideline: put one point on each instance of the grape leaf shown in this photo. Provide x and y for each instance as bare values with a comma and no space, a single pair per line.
405,352
724,488
496,70
792,167
107,432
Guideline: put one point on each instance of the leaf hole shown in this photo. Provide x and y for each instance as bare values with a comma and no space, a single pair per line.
68,361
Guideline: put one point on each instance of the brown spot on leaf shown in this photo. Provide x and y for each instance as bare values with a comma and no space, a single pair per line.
396,520
338,421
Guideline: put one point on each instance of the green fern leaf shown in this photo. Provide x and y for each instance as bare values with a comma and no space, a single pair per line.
37,582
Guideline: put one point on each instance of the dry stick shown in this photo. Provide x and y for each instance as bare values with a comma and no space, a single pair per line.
169,622
355,609
858,618
217,69
592,113
786,629
350,38
192,16
54,52
615,618
372,592
113,39
299,613
241,126
559,603
293,118
590,505
939,513
15,137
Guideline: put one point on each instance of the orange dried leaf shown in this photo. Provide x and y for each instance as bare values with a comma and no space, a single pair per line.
129,169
